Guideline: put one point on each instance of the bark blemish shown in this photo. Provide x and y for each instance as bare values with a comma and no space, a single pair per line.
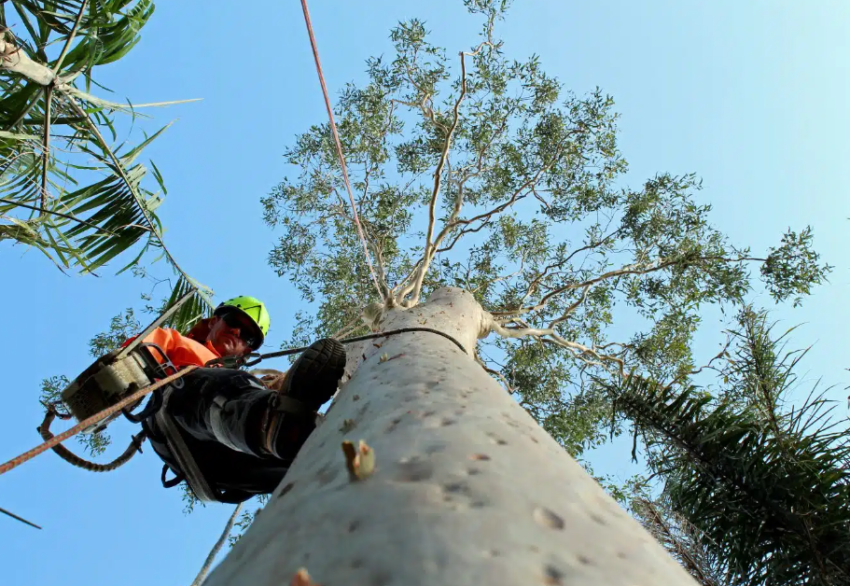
393,424
431,384
597,518
584,560
356,397
446,421
354,526
479,457
473,471
285,489
496,439
327,474
455,487
547,518
414,470
552,575
435,449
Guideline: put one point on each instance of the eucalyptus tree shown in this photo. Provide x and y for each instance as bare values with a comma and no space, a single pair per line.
483,172
489,199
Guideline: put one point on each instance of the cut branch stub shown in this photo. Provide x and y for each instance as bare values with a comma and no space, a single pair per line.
360,462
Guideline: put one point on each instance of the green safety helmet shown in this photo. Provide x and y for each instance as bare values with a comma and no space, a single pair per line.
253,309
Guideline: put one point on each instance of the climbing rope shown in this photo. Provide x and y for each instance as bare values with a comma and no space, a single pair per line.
339,146
72,458
97,418
53,442
235,362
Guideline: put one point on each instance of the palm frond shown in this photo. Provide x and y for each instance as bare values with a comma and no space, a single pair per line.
769,490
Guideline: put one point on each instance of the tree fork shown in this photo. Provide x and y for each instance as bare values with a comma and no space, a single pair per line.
467,488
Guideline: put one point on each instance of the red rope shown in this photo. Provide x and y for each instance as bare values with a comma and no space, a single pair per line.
338,144
97,418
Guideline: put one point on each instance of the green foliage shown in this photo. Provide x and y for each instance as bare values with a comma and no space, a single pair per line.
246,518
121,328
483,172
767,487
65,189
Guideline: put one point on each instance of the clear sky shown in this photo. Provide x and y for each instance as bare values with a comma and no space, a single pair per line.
752,96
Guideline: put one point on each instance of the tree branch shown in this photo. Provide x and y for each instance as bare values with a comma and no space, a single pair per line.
228,527
45,145
438,177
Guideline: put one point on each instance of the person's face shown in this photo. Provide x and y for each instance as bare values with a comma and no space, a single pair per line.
228,332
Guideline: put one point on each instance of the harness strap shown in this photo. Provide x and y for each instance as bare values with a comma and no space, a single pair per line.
177,445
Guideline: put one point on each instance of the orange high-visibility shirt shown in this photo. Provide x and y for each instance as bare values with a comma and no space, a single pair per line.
182,351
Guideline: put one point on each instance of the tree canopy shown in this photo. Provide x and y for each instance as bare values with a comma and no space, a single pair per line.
483,172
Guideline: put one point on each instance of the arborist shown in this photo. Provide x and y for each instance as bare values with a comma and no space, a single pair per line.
224,432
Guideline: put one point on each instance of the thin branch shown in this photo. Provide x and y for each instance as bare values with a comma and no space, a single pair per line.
45,147
55,213
202,574
70,38
551,336
505,277
633,269
570,309
497,374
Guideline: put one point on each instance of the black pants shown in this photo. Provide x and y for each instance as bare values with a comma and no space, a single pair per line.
219,414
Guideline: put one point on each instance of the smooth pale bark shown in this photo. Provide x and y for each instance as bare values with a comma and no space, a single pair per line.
468,489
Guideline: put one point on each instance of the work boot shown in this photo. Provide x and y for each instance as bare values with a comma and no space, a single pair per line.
310,383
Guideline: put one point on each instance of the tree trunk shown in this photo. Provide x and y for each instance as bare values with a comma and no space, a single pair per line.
468,490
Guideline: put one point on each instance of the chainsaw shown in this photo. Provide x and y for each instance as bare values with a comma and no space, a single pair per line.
119,374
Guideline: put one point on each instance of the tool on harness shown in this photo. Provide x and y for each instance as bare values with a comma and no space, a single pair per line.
117,375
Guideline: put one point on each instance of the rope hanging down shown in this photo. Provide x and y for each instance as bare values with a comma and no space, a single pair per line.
56,440
339,147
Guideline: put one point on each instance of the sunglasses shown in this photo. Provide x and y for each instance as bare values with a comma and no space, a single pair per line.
246,329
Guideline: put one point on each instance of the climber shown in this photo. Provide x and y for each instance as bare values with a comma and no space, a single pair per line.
223,431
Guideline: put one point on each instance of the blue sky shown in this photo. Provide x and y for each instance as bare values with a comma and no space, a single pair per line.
751,96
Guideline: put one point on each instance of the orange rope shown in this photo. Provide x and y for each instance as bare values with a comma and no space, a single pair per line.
97,418
339,145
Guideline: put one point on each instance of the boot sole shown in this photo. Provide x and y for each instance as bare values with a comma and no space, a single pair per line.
315,375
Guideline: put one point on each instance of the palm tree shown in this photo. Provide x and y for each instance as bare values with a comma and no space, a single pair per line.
65,188
764,484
